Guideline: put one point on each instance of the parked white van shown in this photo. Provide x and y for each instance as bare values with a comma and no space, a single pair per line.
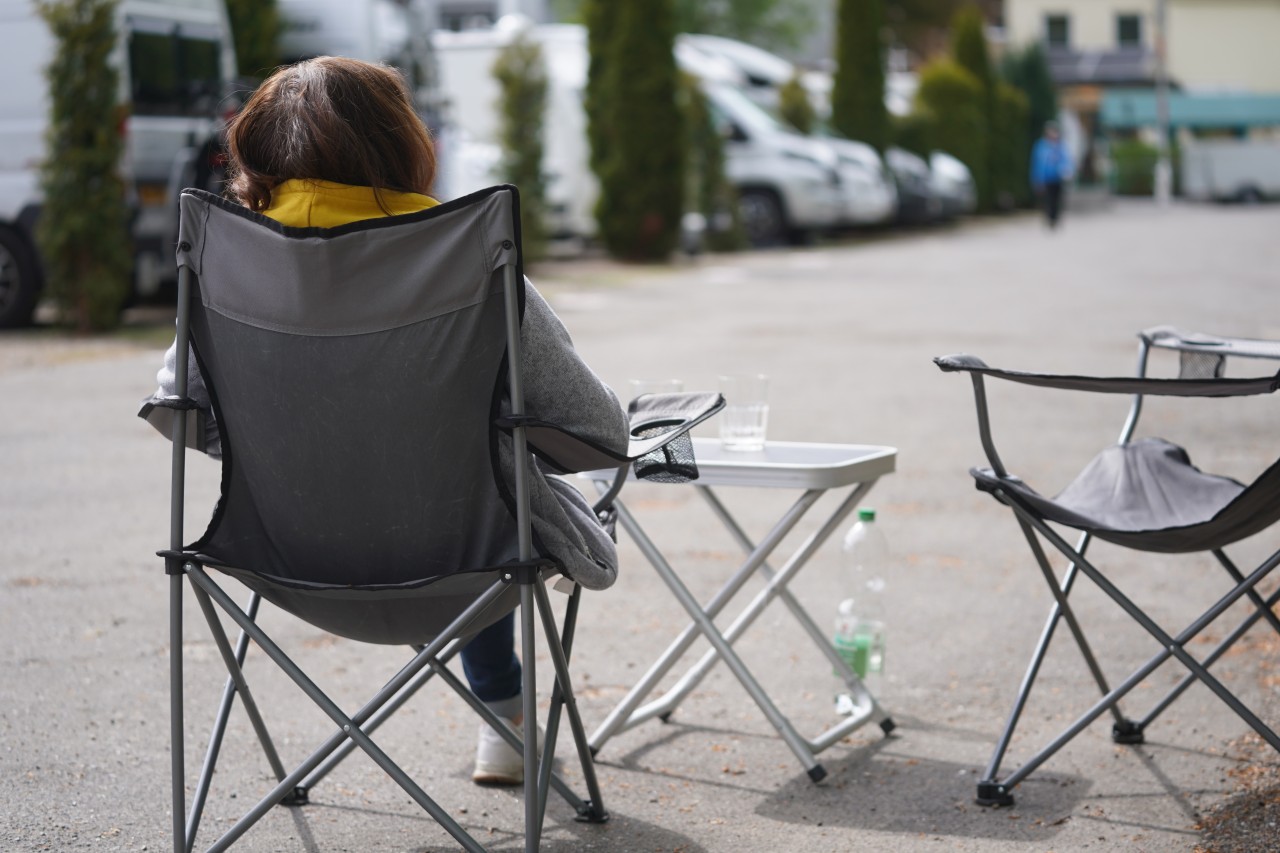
176,61
1244,170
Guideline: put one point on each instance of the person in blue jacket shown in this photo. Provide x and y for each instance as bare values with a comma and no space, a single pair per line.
1050,169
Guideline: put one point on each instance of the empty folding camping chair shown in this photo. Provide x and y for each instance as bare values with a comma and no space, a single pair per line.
1142,494
361,484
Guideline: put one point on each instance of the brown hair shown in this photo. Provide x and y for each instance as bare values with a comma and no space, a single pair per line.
330,119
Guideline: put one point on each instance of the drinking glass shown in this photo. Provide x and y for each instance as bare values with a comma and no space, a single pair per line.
746,411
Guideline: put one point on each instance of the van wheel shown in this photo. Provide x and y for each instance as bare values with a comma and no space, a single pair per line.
1251,195
763,220
19,281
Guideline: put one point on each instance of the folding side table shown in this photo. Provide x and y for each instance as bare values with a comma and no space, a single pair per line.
814,469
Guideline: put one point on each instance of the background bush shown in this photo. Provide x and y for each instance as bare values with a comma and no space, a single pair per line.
641,159
795,107
954,99
969,50
83,232
1010,151
857,96
255,29
522,82
1133,164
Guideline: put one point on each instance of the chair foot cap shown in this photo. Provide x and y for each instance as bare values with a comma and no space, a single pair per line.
591,813
1127,732
297,797
887,725
666,717
993,794
817,773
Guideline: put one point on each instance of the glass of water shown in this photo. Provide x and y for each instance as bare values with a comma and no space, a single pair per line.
746,411
655,386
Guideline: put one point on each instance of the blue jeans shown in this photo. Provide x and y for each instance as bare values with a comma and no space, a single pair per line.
492,668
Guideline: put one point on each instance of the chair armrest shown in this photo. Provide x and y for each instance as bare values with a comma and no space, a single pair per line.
1167,337
658,419
1115,384
655,421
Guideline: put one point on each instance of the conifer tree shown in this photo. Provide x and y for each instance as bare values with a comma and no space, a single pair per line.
857,99
83,232
952,100
522,79
255,29
795,107
642,168
599,16
969,49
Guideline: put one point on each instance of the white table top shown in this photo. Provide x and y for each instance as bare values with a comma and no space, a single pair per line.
785,464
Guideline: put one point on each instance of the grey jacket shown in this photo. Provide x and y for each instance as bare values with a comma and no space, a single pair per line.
559,387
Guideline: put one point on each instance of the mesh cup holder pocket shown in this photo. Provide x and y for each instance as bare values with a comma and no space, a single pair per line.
671,463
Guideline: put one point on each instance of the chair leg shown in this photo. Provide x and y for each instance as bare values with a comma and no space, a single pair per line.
177,747
218,730
595,811
349,725
381,716
1264,609
1175,645
532,808
995,791
241,686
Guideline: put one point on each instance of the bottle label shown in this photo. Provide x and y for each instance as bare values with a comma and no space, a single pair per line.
854,650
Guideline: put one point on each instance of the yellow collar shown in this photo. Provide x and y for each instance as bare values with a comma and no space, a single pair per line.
306,203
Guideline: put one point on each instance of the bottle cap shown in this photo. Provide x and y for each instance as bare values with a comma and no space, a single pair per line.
866,513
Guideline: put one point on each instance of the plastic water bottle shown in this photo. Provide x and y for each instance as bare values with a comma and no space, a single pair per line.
860,624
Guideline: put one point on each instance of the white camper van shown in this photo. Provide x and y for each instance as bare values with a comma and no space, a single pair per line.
176,61
1246,170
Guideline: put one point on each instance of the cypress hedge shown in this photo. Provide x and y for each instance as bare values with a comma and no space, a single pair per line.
969,49
954,99
795,107
635,108
255,29
857,97
83,232
1010,149
522,80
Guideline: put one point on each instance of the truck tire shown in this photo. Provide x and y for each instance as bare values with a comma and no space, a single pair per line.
19,280
763,220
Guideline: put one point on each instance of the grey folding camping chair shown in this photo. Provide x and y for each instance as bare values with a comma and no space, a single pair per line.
1143,494
365,380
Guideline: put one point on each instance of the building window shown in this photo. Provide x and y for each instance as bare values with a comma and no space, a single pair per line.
1129,30
1057,30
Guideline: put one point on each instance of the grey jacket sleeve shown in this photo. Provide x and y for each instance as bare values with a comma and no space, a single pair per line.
202,429
562,389
559,386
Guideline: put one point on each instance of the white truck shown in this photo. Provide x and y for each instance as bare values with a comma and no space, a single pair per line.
176,61
1231,170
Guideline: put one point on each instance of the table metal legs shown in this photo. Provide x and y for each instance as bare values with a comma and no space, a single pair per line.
630,713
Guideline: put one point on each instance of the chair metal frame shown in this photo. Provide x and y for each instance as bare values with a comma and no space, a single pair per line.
994,790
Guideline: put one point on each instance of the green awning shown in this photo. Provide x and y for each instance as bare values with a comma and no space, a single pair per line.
1127,109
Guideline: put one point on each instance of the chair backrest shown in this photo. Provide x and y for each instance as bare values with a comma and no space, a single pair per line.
355,374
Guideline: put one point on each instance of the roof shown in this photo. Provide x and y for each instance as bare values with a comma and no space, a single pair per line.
1132,108
1101,67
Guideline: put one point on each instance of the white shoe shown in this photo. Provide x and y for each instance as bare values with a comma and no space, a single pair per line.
497,763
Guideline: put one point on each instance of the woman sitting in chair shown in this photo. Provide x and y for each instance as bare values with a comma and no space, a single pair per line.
331,141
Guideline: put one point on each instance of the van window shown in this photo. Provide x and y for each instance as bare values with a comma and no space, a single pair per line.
174,72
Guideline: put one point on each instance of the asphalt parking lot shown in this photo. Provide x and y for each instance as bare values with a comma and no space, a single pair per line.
846,332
